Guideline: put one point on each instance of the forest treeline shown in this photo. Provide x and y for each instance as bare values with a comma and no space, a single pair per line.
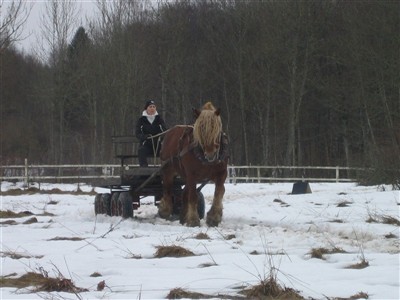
307,82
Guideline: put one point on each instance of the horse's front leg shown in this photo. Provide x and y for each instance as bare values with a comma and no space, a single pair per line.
165,206
184,206
214,215
192,218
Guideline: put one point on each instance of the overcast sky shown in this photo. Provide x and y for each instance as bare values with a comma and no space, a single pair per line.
32,29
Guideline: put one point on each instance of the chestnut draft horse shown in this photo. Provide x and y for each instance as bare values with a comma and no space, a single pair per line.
197,154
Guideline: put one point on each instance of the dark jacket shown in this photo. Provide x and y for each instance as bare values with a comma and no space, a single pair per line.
144,128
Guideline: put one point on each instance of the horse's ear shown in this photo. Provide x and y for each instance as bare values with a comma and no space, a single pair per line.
218,111
196,113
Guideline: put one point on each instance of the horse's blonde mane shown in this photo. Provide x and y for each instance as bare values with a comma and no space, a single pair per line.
207,127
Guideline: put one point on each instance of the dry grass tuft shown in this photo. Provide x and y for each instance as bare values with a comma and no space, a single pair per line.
5,214
361,265
172,251
59,285
390,220
179,293
344,204
383,219
42,283
28,279
9,222
202,236
31,221
95,274
360,295
61,238
336,221
270,289
320,252
390,236
230,237
206,265
15,255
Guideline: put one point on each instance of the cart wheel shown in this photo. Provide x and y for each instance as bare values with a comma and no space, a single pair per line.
106,199
201,205
98,206
126,205
114,204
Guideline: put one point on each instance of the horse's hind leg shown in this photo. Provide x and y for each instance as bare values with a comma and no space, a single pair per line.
165,206
214,215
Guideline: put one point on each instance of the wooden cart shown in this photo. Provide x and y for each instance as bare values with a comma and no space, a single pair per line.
135,183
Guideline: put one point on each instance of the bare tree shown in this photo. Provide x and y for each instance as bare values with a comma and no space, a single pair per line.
58,25
13,16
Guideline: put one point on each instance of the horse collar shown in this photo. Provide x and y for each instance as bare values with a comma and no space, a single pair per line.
222,151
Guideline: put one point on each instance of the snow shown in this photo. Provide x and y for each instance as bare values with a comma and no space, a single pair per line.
264,228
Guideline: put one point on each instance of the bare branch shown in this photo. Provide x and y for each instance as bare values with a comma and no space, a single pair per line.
13,16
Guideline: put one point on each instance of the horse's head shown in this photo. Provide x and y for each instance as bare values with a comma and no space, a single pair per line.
207,131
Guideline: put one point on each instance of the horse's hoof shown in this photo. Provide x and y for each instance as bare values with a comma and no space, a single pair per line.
193,223
163,213
212,223
213,220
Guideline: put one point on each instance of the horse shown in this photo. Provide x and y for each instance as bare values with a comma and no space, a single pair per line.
197,154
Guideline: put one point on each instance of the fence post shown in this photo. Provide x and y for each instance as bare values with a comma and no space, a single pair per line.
26,179
337,174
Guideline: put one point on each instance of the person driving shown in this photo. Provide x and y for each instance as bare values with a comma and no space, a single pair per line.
148,125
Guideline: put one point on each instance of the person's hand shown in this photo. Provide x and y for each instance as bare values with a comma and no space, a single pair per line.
144,137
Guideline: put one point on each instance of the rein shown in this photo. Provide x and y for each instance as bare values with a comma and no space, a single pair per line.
164,132
155,148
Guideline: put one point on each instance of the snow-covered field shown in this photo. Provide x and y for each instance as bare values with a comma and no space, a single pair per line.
264,228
